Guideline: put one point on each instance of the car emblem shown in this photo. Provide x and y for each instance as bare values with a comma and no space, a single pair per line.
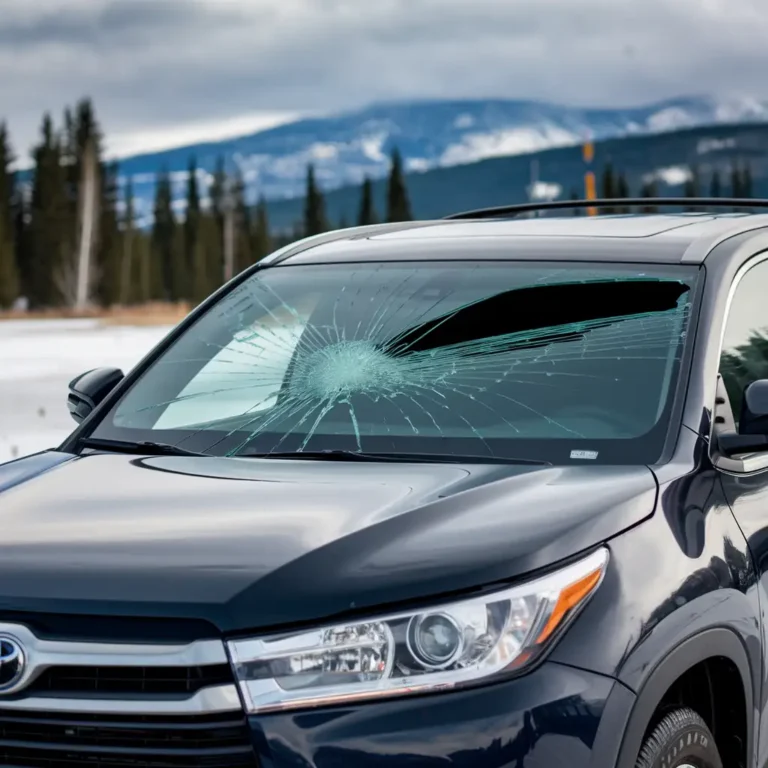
12,662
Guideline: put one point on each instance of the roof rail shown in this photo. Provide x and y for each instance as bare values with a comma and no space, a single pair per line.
619,202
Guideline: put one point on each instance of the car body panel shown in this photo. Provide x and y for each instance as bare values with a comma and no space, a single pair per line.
30,467
530,723
527,248
255,543
686,571
616,226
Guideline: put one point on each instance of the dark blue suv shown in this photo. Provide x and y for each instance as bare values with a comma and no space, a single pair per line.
484,492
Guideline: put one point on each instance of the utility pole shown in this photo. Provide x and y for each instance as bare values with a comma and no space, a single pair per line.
589,177
87,222
229,231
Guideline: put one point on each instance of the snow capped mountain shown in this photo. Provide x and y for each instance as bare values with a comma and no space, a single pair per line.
429,134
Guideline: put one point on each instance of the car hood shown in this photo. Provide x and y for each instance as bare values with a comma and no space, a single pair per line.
254,543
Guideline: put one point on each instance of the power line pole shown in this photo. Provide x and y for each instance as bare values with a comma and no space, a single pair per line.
590,187
88,203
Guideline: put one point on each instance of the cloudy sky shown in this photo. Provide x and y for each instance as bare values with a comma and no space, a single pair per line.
162,72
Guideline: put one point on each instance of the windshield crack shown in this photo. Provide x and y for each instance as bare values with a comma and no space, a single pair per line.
389,358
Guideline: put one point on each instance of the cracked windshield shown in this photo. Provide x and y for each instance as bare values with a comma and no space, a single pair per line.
465,359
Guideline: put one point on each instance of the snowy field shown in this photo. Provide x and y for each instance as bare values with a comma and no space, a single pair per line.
38,358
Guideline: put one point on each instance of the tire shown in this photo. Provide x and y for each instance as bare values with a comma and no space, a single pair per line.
680,739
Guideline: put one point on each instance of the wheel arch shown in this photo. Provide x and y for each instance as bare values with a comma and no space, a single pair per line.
706,645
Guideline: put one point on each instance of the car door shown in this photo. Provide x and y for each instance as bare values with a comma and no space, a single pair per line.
744,359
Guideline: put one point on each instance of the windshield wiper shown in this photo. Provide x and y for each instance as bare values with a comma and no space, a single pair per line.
331,454
335,454
147,447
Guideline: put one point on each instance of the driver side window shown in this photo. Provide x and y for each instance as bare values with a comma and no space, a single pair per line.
744,356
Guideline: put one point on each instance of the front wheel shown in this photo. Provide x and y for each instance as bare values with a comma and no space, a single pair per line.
680,740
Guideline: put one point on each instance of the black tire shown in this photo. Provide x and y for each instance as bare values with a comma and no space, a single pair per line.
681,738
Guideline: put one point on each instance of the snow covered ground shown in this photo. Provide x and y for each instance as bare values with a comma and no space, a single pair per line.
38,358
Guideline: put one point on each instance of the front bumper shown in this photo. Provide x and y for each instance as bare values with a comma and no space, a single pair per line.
554,716
159,705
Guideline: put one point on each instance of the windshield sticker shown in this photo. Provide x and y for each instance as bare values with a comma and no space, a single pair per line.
584,455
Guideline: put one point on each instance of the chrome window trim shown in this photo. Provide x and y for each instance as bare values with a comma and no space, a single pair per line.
749,463
208,701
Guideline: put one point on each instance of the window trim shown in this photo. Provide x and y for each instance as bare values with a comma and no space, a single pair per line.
750,463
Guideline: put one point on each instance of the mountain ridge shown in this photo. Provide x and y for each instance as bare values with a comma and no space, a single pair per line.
431,133
667,159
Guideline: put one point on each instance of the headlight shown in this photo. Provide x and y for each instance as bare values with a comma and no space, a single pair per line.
455,644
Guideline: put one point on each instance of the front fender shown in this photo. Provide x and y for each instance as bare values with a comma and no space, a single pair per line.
680,588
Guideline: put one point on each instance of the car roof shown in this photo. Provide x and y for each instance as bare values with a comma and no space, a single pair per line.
683,238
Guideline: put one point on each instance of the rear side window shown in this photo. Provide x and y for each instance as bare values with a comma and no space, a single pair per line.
744,357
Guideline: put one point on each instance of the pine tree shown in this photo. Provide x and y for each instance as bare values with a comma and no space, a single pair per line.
92,192
147,281
132,274
243,225
736,182
260,241
622,191
207,271
234,231
746,181
109,254
68,143
715,185
315,221
575,195
51,236
367,213
218,193
9,274
649,190
608,187
164,245
86,127
691,186
21,216
183,278
398,204
199,283
192,253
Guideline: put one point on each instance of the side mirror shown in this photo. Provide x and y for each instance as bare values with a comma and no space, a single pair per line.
89,389
754,409
753,422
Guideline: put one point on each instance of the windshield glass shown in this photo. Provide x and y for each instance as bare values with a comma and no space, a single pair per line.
522,360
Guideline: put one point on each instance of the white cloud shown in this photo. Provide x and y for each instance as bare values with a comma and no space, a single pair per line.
153,65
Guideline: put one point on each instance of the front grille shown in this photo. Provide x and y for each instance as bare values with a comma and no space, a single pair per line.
129,680
47,740
122,705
